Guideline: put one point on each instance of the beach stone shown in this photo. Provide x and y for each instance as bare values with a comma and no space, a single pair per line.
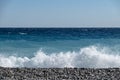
59,74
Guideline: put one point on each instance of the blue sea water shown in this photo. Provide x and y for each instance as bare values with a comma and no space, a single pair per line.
60,47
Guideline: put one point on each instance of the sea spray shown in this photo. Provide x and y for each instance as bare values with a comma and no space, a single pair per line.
87,57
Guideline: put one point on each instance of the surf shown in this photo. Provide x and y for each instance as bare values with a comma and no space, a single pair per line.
87,57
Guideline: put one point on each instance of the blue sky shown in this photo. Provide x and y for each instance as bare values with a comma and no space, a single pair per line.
59,13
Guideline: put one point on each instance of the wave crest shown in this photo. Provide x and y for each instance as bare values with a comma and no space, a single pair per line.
88,57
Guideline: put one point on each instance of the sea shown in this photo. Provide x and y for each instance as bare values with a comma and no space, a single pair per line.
60,47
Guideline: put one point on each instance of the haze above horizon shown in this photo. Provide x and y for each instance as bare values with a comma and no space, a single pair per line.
59,13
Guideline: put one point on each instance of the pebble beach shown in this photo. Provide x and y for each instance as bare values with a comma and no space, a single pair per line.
59,74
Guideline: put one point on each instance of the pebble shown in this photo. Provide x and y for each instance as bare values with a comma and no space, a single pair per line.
59,74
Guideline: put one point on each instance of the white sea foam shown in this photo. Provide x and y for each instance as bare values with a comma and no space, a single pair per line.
88,57
21,33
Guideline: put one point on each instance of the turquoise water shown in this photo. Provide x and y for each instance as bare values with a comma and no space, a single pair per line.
60,47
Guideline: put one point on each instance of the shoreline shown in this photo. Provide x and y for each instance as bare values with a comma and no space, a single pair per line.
59,73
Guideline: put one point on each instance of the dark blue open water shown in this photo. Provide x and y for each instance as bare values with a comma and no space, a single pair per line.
60,47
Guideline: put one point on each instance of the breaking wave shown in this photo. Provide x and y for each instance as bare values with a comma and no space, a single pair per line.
88,57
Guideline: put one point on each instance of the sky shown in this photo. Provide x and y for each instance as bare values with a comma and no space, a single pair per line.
59,13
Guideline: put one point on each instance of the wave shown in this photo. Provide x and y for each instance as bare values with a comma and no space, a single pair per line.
87,57
21,33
